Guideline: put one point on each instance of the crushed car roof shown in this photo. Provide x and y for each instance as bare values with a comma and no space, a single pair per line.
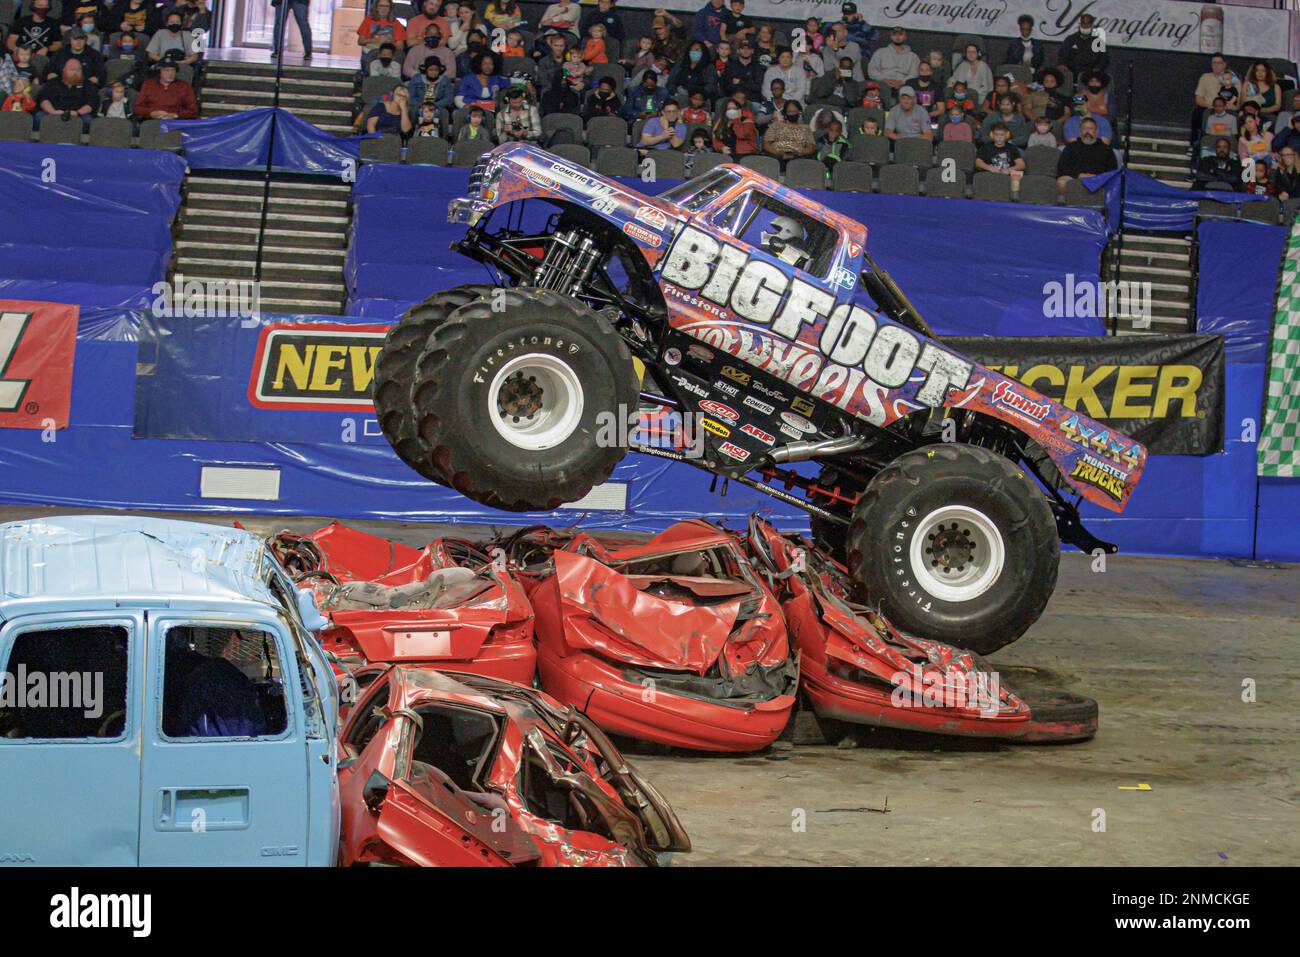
127,559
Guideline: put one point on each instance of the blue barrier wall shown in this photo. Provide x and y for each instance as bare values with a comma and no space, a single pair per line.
85,224
972,268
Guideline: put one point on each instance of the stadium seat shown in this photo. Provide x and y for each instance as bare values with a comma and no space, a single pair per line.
806,174
118,69
993,186
1042,160
517,64
1289,209
616,161
668,164
1022,72
899,180
635,136
937,184
110,131
467,152
606,131
574,153
860,114
382,149
851,176
153,138
1213,209
1035,188
914,151
611,70
373,86
707,160
1261,210
15,126
552,123
57,130
959,44
865,148
763,165
962,153
428,150
1076,194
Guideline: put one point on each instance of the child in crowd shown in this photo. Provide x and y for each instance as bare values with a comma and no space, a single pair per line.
1042,134
575,72
695,112
1263,183
474,129
961,94
115,102
593,51
812,34
20,100
514,44
429,124
871,96
870,127
834,146
643,58
955,127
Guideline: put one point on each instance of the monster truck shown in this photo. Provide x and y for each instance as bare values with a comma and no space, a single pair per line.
758,317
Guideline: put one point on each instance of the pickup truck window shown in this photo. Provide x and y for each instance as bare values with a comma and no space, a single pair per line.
222,682
65,683
766,223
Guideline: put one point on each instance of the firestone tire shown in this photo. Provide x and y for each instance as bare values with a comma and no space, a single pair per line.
523,409
395,371
955,543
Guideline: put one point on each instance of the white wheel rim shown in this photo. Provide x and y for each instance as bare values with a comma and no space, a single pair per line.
535,402
957,553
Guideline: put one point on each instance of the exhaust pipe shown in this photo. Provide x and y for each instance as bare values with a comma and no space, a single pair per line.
802,451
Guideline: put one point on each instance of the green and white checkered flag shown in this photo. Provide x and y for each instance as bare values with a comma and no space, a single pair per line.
1279,439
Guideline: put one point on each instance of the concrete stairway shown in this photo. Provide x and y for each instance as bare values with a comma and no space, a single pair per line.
1162,153
306,238
320,95
1164,261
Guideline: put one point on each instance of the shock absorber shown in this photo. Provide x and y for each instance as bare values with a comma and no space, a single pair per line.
583,263
558,256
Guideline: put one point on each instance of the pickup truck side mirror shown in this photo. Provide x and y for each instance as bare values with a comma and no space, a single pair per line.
308,611
375,792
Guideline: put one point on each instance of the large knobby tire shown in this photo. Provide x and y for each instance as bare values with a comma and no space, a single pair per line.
955,543
519,408
395,371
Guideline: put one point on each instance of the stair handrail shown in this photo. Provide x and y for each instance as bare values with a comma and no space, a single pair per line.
277,54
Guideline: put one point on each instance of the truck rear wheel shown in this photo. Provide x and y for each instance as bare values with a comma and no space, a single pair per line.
955,543
395,368
525,408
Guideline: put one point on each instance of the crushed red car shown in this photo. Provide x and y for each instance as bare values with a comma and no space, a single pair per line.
447,604
857,667
447,769
673,640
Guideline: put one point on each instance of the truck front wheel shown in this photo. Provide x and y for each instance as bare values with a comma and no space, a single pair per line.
955,543
523,399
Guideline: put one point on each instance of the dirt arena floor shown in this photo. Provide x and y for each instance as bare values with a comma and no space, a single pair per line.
1184,770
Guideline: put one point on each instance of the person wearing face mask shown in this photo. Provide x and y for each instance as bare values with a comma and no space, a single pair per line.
1026,48
297,10
603,102
432,87
790,74
173,42
929,94
92,64
430,45
385,62
734,131
429,14
789,137
38,31
695,74
1083,51
1073,127
955,125
1095,86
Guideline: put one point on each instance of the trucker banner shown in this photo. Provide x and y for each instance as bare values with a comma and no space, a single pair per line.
37,344
1164,390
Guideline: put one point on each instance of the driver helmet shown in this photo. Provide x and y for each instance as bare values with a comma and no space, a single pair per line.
781,231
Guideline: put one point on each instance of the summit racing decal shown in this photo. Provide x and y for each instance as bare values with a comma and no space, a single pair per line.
1005,394
854,351
315,366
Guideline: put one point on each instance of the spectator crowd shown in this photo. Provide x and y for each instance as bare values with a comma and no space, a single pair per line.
75,60
721,82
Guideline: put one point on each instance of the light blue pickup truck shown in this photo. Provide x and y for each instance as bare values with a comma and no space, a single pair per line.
164,700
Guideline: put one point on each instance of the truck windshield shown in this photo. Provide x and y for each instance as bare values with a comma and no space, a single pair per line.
695,194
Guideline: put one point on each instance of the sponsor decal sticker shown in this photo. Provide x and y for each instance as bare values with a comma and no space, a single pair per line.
703,353
802,406
790,431
691,387
735,451
756,432
725,412
643,235
1092,472
760,406
717,428
726,387
1005,395
736,375
797,422
673,356
651,217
